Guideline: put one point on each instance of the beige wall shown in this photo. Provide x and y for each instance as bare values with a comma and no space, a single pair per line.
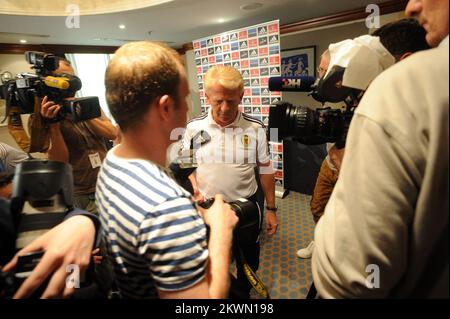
14,63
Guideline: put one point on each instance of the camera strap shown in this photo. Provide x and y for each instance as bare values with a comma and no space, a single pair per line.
252,278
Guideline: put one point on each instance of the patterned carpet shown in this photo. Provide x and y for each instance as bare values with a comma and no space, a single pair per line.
285,275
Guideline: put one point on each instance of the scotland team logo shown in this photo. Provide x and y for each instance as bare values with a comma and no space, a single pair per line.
245,141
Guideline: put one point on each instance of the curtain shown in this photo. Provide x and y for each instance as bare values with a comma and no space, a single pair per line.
90,68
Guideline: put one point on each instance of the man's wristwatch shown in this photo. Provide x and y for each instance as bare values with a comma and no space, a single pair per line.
273,209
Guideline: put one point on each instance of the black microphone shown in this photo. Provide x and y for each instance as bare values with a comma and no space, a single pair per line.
291,83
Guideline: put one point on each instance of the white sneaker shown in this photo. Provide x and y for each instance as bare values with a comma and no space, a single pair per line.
306,253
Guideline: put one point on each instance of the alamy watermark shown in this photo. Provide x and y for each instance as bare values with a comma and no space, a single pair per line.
373,279
373,19
73,279
73,17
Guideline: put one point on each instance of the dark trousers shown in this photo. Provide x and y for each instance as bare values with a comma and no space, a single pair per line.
240,286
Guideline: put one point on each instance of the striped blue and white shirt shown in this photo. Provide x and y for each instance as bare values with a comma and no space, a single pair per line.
155,237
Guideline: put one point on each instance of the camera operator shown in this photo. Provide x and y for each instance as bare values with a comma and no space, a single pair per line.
385,229
81,144
401,38
327,175
220,169
154,234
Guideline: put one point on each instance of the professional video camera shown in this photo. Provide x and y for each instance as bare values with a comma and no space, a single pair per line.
60,88
314,126
353,65
42,196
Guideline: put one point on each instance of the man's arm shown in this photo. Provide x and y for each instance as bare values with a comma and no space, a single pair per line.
104,128
336,156
70,242
267,180
11,156
268,186
198,197
221,220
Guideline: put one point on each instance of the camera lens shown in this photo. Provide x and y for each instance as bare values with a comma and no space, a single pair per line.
308,126
290,120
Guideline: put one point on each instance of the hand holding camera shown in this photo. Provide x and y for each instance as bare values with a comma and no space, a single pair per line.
69,243
219,216
49,110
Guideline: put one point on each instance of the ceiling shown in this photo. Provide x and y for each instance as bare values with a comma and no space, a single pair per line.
175,22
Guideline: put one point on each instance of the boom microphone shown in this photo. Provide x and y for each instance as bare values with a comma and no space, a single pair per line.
291,83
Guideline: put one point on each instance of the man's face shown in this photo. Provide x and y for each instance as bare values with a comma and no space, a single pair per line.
323,66
224,103
65,67
433,16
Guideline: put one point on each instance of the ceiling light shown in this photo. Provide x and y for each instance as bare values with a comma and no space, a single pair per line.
23,41
251,6
122,26
221,20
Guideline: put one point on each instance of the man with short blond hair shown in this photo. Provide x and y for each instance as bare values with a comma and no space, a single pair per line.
227,164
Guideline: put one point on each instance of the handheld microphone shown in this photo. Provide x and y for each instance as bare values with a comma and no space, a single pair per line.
291,83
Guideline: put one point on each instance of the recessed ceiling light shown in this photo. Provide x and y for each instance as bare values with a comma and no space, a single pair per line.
122,26
23,41
221,20
251,6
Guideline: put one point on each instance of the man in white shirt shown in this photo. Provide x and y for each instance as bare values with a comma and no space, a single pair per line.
226,165
385,229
